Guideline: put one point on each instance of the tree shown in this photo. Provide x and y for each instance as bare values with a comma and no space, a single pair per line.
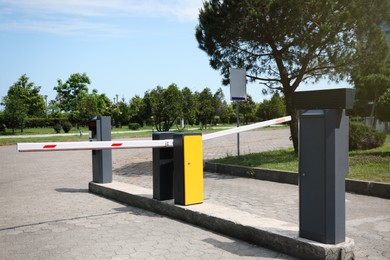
227,114
125,112
22,101
218,104
136,109
271,109
103,103
87,107
165,106
188,106
205,107
15,112
246,109
277,106
146,109
370,85
284,43
2,122
73,89
384,109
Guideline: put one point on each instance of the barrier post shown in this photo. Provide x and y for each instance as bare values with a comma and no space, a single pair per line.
101,159
188,168
162,168
323,163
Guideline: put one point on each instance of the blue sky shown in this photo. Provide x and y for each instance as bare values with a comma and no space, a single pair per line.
125,46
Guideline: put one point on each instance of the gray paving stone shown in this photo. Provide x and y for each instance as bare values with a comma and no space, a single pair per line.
47,212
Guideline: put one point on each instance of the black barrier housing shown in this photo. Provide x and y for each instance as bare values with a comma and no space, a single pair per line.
162,168
100,130
323,163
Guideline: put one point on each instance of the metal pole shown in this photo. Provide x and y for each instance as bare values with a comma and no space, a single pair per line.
238,125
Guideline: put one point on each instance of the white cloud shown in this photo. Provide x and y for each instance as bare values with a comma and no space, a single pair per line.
65,28
72,17
181,9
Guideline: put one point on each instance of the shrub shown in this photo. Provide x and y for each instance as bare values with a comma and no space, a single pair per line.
363,137
134,126
57,127
43,122
66,126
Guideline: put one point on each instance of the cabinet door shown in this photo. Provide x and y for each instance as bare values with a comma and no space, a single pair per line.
193,169
312,176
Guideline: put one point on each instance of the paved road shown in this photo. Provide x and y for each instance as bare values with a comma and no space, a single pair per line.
47,212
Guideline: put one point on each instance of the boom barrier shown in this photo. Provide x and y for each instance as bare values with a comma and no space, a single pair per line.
111,145
98,145
247,127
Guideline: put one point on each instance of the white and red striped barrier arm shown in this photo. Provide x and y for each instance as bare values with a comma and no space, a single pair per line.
247,127
99,145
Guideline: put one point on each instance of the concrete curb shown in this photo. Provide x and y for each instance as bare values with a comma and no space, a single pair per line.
276,235
375,189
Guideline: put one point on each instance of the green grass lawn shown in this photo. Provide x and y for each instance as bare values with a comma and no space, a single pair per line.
370,165
50,130
69,138
10,140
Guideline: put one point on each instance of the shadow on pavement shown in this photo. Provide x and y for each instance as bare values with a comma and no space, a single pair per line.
72,190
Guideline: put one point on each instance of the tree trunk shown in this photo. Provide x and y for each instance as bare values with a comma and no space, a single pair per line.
294,120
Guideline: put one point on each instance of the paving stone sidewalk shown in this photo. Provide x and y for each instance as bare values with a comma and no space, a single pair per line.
47,212
367,218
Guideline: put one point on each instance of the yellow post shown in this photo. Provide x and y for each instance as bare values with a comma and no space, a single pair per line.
188,169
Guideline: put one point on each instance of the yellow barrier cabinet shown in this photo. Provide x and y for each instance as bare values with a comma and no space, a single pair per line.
188,169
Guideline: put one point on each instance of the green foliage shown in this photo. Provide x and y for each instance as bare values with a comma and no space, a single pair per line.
205,109
136,110
188,106
383,109
227,114
124,114
22,101
134,126
363,137
57,127
284,43
270,109
103,103
165,106
371,76
43,122
218,99
2,122
69,92
247,110
66,126
87,107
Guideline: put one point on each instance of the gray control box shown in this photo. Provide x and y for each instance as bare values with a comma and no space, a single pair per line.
323,165
100,130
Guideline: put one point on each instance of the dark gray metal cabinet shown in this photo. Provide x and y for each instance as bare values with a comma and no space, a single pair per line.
323,164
